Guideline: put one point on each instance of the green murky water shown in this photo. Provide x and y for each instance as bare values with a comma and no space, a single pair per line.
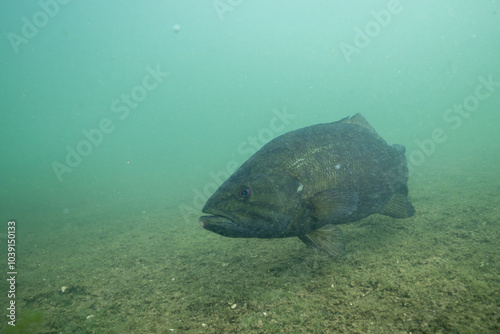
119,119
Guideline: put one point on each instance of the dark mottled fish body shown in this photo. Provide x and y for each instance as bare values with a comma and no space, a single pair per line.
308,180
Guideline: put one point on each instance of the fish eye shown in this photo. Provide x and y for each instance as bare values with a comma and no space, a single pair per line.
245,192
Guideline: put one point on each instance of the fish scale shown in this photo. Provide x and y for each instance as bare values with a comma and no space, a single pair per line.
305,182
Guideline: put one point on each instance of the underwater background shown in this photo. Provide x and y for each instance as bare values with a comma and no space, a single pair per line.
120,118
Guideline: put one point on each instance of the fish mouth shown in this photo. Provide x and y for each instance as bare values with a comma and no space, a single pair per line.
209,221
222,225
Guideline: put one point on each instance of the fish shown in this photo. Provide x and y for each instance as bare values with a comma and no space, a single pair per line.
307,181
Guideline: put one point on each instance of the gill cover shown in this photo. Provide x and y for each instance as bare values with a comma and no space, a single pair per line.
256,205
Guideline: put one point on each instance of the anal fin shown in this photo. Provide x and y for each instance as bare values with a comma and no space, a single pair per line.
328,238
398,207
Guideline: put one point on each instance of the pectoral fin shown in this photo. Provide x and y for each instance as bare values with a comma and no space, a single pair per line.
333,203
327,238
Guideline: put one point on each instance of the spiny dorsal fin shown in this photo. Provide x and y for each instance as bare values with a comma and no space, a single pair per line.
361,121
327,238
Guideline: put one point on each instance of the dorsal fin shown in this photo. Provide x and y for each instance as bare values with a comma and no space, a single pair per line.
361,121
